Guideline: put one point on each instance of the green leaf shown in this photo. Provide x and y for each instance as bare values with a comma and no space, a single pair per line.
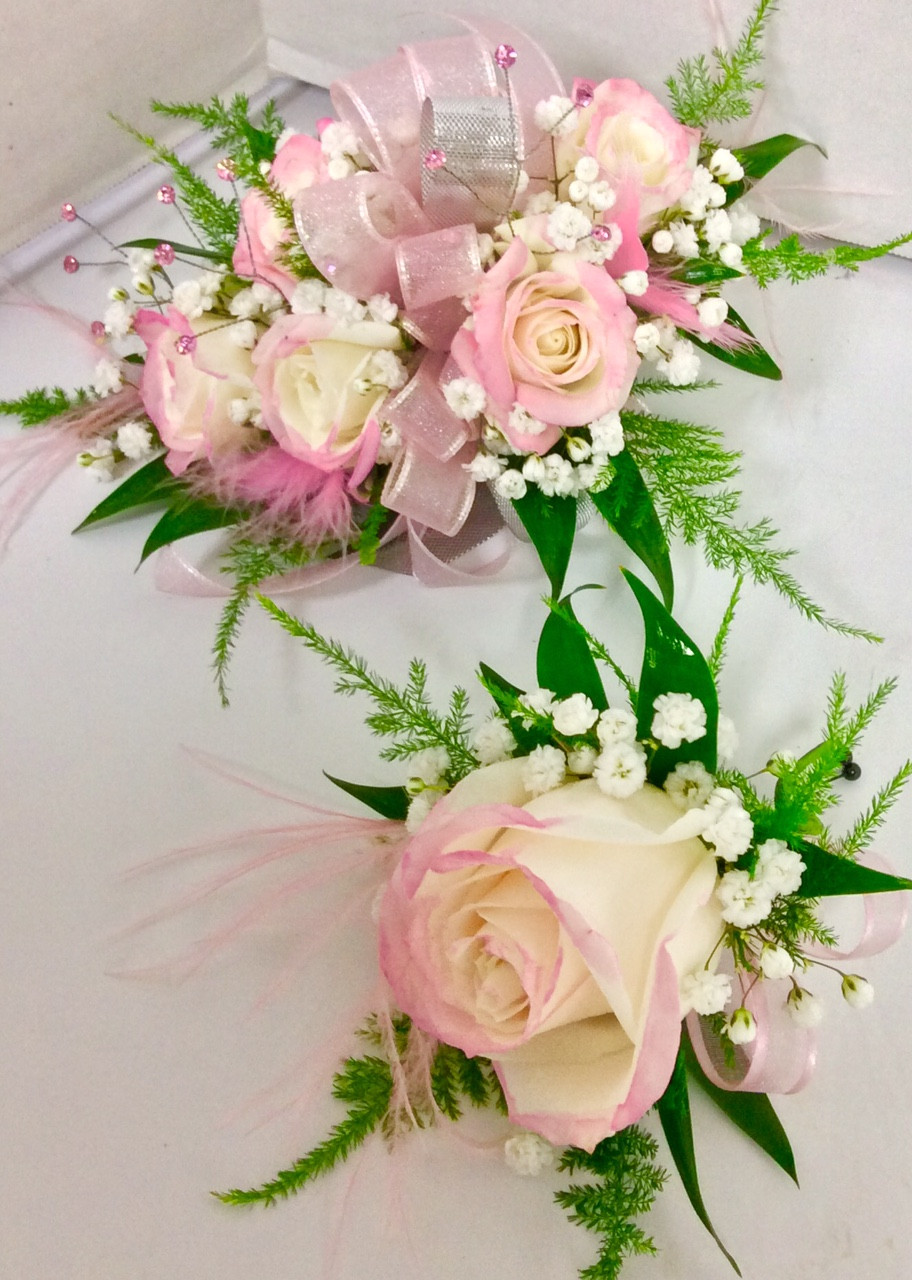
150,484
186,519
826,875
753,359
389,802
672,663
502,691
752,1112
193,250
760,157
551,524
262,145
702,271
628,507
674,1113
565,664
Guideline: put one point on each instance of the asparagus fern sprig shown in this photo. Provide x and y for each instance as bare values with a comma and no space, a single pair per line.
700,93
790,260
405,714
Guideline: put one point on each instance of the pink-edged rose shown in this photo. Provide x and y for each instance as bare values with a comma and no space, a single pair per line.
319,383
189,395
551,936
556,339
298,164
637,144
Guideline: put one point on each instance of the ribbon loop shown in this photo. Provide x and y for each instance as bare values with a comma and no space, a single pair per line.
350,230
480,147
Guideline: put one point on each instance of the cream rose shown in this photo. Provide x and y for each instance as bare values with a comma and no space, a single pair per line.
188,395
637,144
319,390
551,936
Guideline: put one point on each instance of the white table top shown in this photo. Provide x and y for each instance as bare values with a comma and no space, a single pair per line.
123,1101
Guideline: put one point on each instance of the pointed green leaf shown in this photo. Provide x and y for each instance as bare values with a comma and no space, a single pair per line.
628,507
672,663
191,250
262,144
389,802
828,876
565,664
674,1113
551,524
752,1112
502,691
751,359
152,483
703,271
186,519
760,157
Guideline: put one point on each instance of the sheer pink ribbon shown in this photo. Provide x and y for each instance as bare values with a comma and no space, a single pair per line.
406,547
783,1056
410,229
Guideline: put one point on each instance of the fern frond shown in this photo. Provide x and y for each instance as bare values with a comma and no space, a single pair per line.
42,403
699,94
717,652
791,260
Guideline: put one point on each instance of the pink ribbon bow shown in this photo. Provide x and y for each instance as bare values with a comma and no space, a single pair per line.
447,129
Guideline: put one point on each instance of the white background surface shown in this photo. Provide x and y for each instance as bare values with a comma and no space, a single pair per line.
123,1101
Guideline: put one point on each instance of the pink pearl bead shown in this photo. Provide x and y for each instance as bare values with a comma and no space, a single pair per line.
70,264
601,232
68,212
163,255
186,344
505,55
98,329
165,194
435,158
226,169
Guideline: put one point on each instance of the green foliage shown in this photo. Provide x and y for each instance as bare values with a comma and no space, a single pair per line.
627,505
232,131
250,563
717,652
752,1112
216,219
658,386
752,357
564,662
672,664
551,525
689,474
456,1077
405,714
150,484
674,1113
700,94
805,787
389,802
365,1085
625,1183
859,837
789,258
42,403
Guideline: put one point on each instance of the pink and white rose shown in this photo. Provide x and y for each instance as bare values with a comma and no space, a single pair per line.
637,144
555,339
552,936
189,395
298,164
318,396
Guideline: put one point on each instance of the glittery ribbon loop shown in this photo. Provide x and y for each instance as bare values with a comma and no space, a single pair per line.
351,230
435,272
428,491
427,482
478,150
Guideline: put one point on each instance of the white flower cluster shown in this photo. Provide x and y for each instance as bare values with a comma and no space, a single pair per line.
747,898
426,783
675,357
342,149
707,228
313,298
528,1154
556,115
679,717
199,294
551,473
